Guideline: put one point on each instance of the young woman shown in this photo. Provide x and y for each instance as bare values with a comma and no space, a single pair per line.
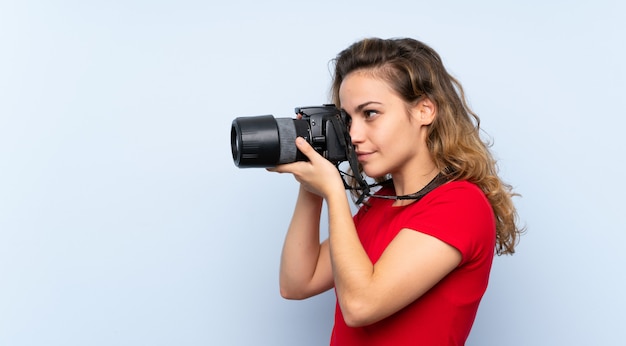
411,267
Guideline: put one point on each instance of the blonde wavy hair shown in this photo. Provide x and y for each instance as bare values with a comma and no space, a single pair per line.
414,70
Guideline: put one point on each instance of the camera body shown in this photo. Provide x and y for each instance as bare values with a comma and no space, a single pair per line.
265,141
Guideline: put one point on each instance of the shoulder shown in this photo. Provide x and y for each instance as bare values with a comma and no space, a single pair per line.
459,189
459,200
455,195
458,213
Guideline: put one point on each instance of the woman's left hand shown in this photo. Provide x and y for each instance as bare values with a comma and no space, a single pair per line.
317,175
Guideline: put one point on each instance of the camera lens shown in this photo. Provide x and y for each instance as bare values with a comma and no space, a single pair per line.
235,143
263,141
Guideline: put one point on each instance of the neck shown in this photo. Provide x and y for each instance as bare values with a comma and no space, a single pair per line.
403,200
405,185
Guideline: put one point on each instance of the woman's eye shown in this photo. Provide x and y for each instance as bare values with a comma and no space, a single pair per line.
370,113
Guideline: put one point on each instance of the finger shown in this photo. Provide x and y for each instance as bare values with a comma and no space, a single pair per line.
285,168
306,149
278,169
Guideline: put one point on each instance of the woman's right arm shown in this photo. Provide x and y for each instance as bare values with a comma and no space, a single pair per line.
305,268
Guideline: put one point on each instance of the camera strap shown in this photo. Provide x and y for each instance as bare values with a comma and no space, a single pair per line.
437,181
346,142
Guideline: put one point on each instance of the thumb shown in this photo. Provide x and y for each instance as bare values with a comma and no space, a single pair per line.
305,148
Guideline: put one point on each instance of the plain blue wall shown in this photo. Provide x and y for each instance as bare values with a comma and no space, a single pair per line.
123,220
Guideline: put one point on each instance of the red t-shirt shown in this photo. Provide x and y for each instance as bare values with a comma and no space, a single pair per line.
457,213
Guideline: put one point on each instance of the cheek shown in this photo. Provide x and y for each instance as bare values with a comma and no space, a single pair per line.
401,130
400,137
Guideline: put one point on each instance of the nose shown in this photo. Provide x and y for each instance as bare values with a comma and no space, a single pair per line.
356,131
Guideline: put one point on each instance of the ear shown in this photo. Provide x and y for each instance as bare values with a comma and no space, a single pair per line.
424,111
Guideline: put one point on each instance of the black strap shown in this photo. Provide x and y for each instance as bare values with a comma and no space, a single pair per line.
437,181
346,142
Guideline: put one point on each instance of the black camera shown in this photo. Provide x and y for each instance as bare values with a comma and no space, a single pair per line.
265,141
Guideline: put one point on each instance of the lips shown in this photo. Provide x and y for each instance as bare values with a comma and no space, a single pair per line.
362,156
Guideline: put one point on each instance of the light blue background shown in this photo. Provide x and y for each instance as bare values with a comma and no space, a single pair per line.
123,220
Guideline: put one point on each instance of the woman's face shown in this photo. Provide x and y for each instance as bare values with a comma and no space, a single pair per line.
387,140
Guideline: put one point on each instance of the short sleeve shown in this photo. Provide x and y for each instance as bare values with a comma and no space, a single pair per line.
457,213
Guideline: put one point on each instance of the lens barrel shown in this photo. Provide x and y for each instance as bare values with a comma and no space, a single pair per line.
264,141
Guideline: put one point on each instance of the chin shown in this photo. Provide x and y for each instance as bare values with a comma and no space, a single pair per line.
374,173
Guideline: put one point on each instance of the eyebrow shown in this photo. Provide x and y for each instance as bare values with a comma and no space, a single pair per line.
360,107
